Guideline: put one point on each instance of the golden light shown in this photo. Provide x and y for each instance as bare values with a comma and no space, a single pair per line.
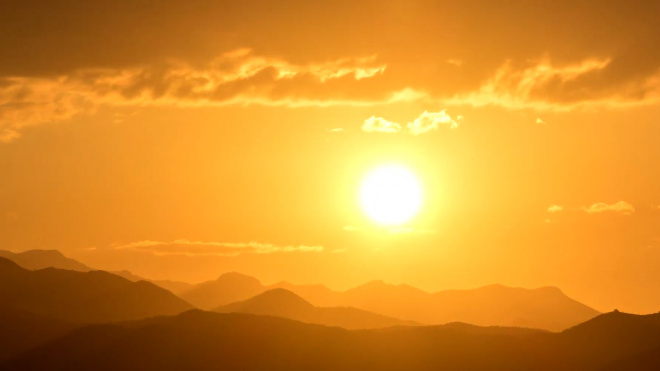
391,195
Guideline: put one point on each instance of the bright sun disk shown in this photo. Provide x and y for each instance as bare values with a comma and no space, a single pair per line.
391,195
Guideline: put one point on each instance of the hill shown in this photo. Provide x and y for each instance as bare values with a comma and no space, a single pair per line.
83,297
228,288
22,330
495,305
39,259
284,303
197,340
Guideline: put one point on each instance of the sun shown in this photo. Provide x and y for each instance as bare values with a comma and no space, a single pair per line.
391,195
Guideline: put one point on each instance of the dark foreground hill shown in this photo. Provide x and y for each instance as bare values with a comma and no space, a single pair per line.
284,303
21,330
197,340
83,297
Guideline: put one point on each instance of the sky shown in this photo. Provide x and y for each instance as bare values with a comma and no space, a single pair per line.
184,139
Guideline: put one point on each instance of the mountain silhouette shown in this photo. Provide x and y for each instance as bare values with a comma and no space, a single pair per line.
83,297
613,336
494,305
284,303
175,287
21,330
39,259
645,361
197,340
228,288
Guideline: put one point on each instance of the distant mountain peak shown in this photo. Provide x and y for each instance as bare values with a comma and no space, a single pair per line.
276,302
235,276
281,296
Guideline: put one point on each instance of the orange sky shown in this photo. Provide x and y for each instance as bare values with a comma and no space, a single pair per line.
181,140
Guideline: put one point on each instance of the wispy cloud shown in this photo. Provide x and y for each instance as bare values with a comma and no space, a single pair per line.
546,86
621,206
540,121
426,122
379,125
201,248
555,208
237,77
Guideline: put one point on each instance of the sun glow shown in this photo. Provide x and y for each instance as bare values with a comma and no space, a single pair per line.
391,195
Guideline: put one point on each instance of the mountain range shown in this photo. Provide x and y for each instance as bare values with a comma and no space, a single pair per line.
197,340
39,259
494,305
284,303
83,297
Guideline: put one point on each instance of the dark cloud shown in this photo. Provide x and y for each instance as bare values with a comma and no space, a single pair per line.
515,53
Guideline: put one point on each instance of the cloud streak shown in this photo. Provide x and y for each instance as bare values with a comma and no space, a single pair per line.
237,77
425,123
621,207
555,208
200,248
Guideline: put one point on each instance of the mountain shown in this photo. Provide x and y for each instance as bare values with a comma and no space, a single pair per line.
546,307
286,304
614,336
22,330
175,287
495,305
197,340
319,295
645,361
83,297
228,288
39,259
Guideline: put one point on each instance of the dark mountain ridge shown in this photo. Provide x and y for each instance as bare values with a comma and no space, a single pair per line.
83,297
197,340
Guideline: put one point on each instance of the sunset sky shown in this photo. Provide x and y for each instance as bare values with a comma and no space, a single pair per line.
183,139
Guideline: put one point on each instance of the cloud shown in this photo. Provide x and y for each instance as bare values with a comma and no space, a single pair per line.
555,208
545,86
540,121
379,125
199,248
621,206
426,122
119,54
238,77
335,130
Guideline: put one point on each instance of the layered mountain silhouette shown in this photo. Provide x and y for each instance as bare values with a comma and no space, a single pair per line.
228,288
176,287
197,340
495,305
39,259
286,304
83,297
